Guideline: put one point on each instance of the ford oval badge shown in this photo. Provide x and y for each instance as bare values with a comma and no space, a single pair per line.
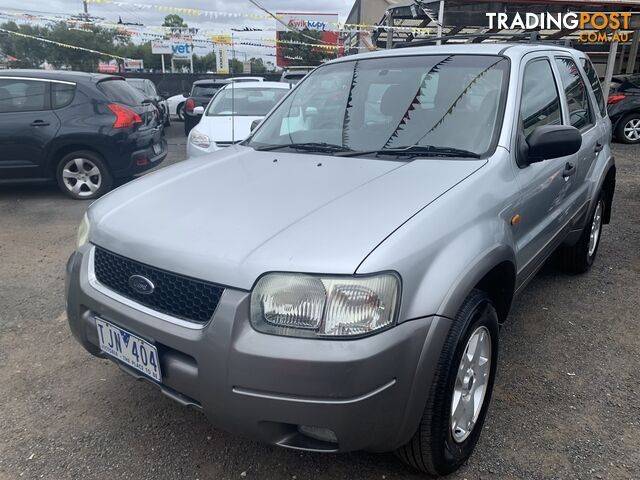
141,285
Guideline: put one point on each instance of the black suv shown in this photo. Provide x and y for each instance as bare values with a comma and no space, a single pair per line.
624,107
201,93
83,130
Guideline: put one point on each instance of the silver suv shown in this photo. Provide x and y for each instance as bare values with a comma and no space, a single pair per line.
337,281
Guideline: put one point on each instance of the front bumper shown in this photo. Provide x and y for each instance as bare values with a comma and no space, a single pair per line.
370,392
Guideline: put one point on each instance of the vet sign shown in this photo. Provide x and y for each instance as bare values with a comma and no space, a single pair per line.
182,50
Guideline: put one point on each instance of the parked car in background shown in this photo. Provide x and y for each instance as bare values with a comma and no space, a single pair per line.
246,79
149,90
202,91
293,75
176,106
231,113
83,130
623,105
337,281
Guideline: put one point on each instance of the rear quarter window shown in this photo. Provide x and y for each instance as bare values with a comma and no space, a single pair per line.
592,76
62,94
119,91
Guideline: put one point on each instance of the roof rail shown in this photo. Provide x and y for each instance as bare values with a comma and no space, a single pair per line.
526,37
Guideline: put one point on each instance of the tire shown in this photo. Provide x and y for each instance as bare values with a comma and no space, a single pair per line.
75,178
167,121
628,128
180,112
439,445
579,257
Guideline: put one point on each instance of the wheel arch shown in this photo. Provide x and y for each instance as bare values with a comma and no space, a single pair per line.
609,187
60,152
493,272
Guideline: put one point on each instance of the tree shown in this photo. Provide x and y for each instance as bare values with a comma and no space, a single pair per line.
257,66
174,21
206,63
235,66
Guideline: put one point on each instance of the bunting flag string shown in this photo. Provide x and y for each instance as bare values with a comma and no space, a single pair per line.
215,14
60,44
162,31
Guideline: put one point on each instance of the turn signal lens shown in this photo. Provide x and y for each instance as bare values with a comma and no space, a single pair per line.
309,306
613,99
125,118
83,232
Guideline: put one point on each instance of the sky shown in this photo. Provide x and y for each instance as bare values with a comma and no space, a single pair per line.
154,17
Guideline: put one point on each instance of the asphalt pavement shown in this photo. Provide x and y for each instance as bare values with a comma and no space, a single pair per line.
566,403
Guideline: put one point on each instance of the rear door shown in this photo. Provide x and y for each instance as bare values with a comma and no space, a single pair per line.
581,114
545,186
27,126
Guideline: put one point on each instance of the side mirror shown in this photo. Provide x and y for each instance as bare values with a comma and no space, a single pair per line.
547,142
255,124
198,110
186,94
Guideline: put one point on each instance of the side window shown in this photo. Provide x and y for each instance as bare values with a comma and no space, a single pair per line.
18,95
540,103
592,75
62,94
580,114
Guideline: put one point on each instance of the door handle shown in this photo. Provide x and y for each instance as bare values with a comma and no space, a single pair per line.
569,169
39,123
598,148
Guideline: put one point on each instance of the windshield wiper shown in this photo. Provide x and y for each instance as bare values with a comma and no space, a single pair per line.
309,147
417,151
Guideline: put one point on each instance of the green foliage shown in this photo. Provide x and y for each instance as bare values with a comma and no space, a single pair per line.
175,21
206,63
308,55
235,66
257,66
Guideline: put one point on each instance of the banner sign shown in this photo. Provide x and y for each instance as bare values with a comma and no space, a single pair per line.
222,59
320,22
325,23
161,47
182,50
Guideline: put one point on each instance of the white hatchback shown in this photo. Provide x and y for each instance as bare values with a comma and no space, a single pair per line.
231,112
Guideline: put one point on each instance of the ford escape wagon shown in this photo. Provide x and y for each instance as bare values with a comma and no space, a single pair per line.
336,282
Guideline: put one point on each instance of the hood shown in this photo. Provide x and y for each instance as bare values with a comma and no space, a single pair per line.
218,128
231,216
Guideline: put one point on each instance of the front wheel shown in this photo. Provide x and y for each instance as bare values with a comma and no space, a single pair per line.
83,175
460,392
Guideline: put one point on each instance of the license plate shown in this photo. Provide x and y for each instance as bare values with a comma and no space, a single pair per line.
129,349
157,148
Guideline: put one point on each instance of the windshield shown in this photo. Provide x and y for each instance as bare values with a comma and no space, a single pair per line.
254,102
449,101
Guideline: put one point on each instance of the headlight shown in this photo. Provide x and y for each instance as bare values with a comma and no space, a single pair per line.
309,306
199,139
83,232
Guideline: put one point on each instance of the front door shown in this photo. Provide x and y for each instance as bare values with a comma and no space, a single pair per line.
545,186
27,126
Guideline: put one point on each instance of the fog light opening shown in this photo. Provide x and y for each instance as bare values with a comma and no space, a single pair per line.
318,433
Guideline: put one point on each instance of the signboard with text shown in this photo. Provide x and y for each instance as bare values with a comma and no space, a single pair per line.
323,25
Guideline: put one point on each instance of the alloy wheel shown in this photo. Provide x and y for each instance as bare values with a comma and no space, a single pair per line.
81,177
471,384
632,130
596,225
